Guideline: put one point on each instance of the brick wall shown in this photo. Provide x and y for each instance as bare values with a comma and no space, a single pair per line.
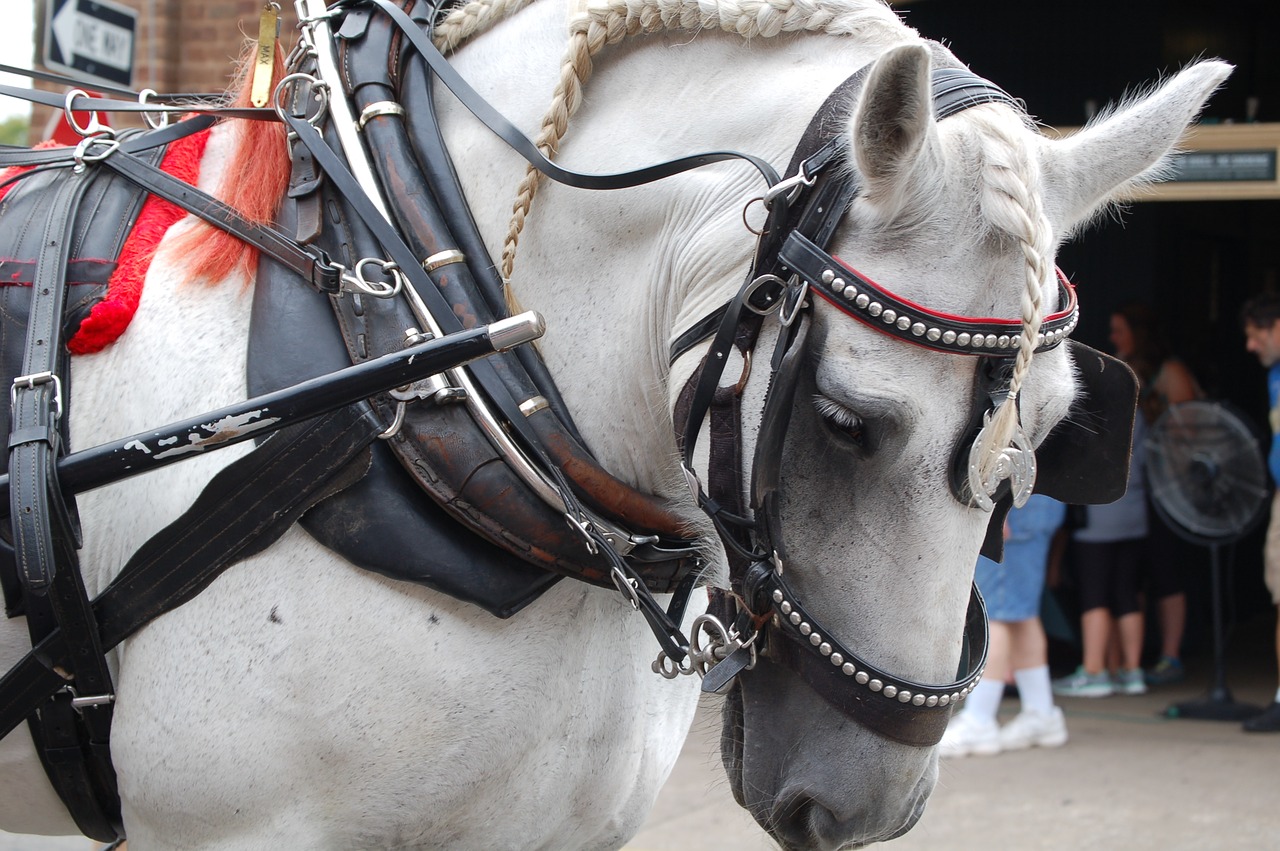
182,45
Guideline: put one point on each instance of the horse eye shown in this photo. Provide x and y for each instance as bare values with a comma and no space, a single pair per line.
841,422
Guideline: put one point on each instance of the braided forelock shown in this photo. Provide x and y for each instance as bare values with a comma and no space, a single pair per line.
1010,202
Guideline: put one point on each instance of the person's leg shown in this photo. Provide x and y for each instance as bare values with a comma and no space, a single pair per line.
1173,622
973,730
1269,720
1092,569
1127,608
1038,723
1095,628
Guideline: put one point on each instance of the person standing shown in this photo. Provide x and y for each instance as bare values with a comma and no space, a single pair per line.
1260,318
1108,555
1164,381
1017,642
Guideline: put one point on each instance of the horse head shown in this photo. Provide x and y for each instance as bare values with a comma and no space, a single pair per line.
960,216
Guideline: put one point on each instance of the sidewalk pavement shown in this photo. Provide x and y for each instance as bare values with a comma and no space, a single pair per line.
1129,778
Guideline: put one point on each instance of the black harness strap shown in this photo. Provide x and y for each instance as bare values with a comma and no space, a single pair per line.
45,540
244,509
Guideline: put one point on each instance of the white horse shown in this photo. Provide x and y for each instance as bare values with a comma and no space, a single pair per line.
301,702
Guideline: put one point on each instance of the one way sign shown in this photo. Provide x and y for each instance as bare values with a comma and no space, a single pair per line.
91,40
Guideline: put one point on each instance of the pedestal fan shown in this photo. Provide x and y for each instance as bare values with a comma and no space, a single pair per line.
1208,481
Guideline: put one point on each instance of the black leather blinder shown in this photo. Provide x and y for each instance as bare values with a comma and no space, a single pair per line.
1085,459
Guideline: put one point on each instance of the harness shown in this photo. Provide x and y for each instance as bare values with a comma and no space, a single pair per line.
513,467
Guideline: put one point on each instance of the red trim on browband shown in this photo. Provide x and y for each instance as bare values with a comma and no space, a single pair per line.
951,317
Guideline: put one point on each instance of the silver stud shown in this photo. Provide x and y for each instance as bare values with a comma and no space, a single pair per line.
795,618
1015,342
944,699
828,276
905,697
933,334
875,685
918,329
786,607
862,678
918,700
932,701
815,639
890,690
805,629
824,648
955,697
889,316
837,659
963,339
1003,341
991,341
836,284
777,596
851,292
875,308
862,301
978,341
949,337
904,322
848,670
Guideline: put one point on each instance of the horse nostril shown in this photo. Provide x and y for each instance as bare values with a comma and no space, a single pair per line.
800,821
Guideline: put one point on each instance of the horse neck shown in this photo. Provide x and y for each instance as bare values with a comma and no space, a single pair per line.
621,274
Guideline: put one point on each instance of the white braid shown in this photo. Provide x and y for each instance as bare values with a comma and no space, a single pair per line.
475,17
1011,203
610,21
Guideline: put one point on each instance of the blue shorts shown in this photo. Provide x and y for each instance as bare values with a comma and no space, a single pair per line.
1013,589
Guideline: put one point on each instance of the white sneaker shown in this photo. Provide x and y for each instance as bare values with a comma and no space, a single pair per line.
967,735
1034,729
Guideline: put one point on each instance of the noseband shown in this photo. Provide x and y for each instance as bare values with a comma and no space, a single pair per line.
768,624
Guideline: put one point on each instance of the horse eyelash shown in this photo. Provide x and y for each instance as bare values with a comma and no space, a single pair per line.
838,414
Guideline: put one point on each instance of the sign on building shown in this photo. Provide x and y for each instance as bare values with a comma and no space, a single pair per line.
92,40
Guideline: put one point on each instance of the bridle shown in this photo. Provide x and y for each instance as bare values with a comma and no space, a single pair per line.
761,619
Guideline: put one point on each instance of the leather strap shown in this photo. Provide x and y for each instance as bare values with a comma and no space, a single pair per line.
244,509
45,539
316,271
522,145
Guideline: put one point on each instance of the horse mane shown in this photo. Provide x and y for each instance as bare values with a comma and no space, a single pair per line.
253,182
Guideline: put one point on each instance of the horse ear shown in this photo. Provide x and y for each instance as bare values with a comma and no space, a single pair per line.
1128,147
893,126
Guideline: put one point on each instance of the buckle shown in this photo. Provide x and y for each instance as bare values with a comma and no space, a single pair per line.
31,382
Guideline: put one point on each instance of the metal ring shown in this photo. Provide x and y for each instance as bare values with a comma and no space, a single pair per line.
787,317
755,285
373,110
318,90
81,155
149,117
746,224
443,258
95,127
378,289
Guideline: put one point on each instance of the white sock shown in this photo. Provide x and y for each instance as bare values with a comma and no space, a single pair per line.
984,701
1277,695
1034,689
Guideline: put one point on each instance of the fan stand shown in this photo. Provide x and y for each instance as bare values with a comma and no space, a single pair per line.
1218,705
